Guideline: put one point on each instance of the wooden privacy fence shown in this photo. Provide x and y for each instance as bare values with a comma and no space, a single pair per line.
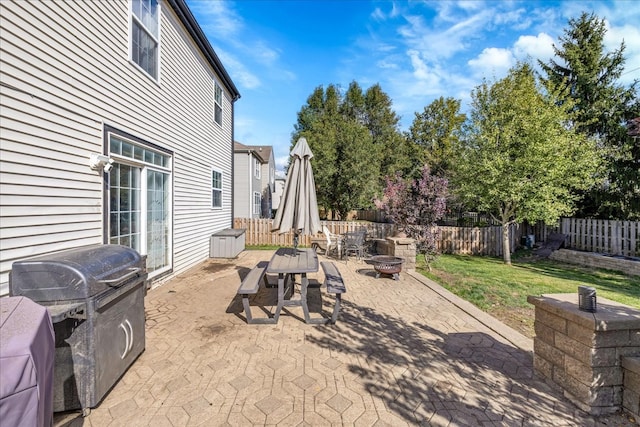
476,240
455,240
597,235
592,235
259,231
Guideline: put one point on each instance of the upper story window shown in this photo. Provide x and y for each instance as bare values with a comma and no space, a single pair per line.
256,167
145,35
217,103
216,189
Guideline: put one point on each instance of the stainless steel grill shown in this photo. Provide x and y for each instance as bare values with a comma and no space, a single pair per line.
95,295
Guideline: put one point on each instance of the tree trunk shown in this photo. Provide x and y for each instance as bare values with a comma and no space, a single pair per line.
506,247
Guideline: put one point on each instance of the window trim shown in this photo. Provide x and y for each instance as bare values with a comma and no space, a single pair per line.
257,168
218,87
108,132
257,203
221,189
133,17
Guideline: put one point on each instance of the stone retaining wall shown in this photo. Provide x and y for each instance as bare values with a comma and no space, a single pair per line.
581,352
631,392
595,260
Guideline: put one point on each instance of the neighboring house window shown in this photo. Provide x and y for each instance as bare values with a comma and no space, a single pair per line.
256,167
257,203
145,35
217,103
216,189
140,195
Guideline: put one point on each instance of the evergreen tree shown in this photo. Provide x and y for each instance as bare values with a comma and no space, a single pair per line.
589,78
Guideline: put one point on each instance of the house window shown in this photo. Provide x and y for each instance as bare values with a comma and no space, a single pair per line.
217,103
216,189
257,203
145,35
256,167
140,201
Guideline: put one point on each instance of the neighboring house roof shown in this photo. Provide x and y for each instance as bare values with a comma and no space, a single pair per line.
192,26
633,127
263,152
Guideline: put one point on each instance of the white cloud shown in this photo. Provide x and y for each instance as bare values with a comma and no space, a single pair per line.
535,47
631,36
220,17
237,69
281,163
492,62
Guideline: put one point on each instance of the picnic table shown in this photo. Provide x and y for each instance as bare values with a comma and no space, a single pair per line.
286,263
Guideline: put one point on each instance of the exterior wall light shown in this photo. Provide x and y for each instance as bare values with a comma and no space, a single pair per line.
100,162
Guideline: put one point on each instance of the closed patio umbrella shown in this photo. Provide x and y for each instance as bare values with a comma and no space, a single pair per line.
298,210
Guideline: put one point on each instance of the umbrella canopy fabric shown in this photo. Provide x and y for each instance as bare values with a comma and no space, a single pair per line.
298,210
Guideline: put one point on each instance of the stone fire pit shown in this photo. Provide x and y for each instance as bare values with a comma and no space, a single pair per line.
385,264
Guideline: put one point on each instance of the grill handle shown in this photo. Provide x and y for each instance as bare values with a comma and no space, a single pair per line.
132,272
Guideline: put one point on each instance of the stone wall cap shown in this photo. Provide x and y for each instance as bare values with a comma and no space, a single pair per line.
610,315
401,240
631,363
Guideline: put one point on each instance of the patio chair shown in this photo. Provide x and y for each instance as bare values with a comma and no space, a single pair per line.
354,243
334,242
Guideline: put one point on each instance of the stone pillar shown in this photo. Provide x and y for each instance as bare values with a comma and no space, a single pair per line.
581,352
403,247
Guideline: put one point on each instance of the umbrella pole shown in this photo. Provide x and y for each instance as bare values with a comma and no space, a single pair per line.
295,243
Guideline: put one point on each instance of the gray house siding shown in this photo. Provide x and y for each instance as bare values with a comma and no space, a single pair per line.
65,77
245,184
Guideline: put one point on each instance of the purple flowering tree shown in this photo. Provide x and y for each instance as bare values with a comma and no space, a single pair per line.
415,206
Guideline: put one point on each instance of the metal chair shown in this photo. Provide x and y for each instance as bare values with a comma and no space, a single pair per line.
354,243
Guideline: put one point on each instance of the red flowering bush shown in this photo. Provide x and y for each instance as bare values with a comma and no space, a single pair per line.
415,206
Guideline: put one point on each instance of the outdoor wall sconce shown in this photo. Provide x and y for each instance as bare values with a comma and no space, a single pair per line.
100,162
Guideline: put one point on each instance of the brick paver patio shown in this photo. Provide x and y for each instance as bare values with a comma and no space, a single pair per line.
402,353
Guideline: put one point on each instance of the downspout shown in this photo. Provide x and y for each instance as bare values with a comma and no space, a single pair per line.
250,186
233,165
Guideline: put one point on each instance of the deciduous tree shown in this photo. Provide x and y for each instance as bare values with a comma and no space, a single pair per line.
437,131
521,160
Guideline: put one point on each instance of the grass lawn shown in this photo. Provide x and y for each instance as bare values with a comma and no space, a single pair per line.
502,290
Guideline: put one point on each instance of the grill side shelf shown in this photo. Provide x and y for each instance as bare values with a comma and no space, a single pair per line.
76,310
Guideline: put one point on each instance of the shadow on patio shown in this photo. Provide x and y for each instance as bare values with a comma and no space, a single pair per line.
400,354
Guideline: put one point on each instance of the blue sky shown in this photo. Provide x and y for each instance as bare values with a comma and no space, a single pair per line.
278,51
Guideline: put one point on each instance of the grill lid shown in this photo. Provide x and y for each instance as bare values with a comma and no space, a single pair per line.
73,274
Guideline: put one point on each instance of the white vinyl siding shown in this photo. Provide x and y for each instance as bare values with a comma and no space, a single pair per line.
242,185
66,73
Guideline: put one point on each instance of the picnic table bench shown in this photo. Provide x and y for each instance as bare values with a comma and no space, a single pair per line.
335,285
249,286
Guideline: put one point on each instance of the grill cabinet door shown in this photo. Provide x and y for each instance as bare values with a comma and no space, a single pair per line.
120,336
